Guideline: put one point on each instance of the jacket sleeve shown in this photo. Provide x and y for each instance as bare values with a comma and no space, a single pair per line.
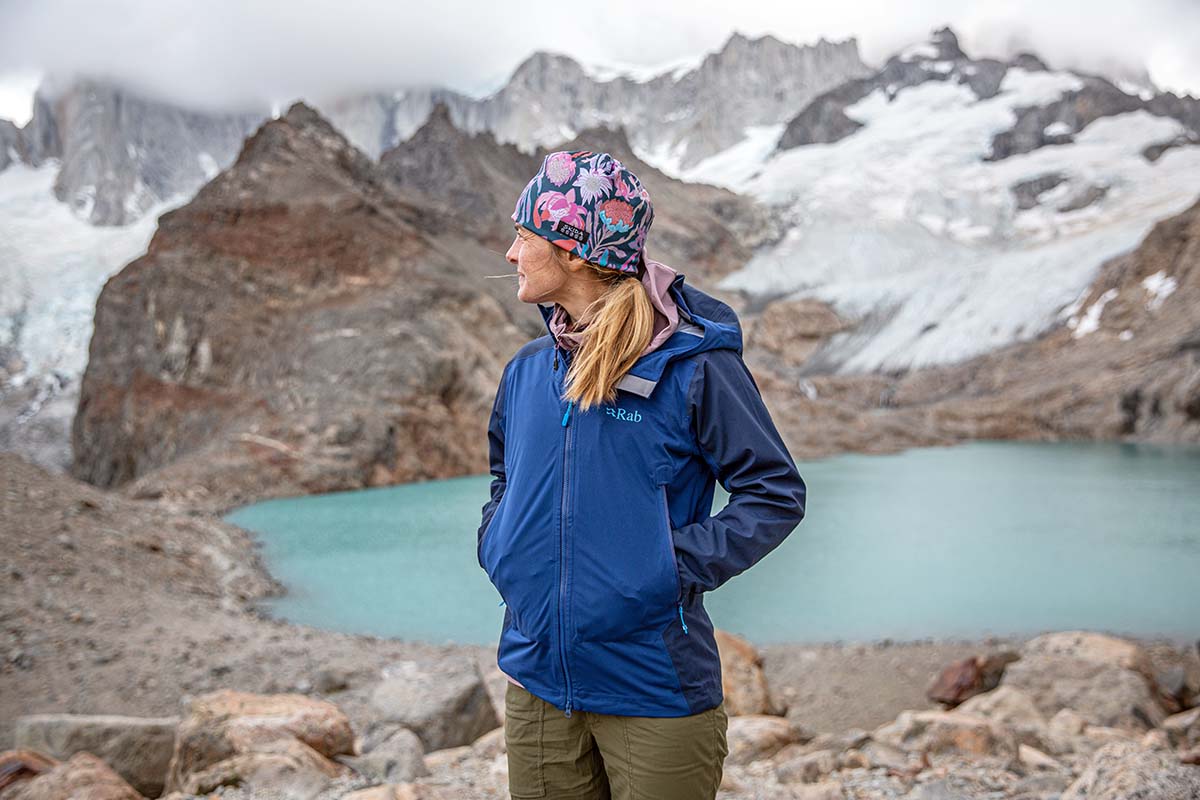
495,458
736,436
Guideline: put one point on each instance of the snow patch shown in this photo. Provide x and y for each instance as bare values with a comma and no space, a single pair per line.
1057,128
611,70
1160,285
1090,323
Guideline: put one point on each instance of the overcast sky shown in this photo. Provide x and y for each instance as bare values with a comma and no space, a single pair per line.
249,53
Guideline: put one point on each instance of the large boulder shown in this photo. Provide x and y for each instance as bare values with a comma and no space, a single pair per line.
1108,681
81,777
444,703
230,737
1121,770
137,748
743,681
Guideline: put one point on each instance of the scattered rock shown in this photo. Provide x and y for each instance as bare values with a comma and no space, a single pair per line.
21,765
1032,757
405,791
238,737
742,678
137,748
333,678
807,768
398,758
491,744
1183,729
82,777
1121,770
969,677
1014,709
946,732
444,703
825,790
756,736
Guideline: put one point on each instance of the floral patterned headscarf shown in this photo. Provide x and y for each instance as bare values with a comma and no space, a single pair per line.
589,204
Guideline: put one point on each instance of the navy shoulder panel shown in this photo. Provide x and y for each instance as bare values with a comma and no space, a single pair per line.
707,306
533,347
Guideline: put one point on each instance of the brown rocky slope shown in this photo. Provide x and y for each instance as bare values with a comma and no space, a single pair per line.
297,327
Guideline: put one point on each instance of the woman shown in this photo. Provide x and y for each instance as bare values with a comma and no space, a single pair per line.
605,439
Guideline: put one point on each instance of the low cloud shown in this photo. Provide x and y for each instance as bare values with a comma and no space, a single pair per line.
231,54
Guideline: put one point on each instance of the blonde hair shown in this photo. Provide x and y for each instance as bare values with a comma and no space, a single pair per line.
619,325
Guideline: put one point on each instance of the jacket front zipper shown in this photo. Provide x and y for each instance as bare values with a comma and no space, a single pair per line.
562,527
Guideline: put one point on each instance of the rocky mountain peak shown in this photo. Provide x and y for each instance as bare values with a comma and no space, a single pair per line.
439,125
543,67
946,42
300,134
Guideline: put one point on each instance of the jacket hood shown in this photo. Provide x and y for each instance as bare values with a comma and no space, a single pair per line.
656,279
704,323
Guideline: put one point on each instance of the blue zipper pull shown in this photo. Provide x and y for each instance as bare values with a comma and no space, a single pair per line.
567,413
556,359
567,710
681,622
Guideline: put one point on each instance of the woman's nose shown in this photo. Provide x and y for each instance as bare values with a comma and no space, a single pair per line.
513,250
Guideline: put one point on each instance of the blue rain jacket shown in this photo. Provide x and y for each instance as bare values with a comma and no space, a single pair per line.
599,535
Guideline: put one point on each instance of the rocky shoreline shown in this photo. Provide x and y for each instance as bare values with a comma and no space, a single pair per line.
134,664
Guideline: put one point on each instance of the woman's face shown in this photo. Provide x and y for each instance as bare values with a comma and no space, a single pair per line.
540,276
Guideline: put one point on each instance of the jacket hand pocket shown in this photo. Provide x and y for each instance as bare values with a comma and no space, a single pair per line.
669,539
484,539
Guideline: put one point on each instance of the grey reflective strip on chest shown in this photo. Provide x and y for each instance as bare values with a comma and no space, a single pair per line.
636,385
642,386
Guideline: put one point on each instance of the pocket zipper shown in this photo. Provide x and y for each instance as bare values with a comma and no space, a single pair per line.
671,552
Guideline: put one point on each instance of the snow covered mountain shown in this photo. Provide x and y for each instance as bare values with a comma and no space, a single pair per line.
949,206
119,154
551,97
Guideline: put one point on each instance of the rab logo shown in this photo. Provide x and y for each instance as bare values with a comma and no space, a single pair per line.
623,415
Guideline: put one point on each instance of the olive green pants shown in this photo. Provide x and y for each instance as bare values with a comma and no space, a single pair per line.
590,756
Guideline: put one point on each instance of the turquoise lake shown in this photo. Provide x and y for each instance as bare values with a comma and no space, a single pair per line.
964,541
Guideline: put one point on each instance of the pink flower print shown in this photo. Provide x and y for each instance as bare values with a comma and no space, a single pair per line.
556,206
592,184
623,188
617,215
560,168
